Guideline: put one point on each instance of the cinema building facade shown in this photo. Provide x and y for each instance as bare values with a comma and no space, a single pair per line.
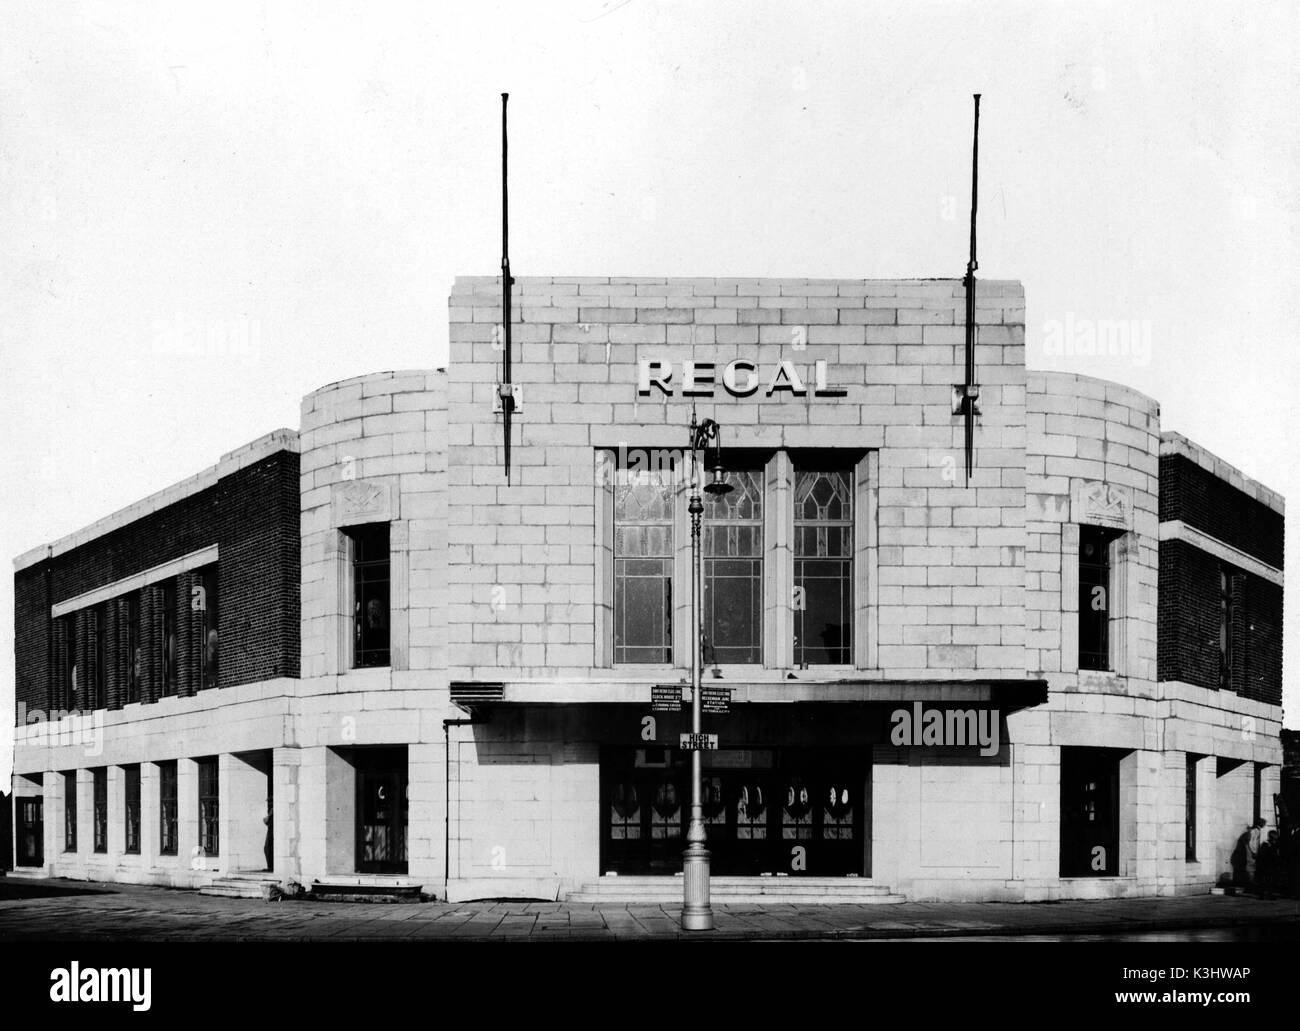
359,653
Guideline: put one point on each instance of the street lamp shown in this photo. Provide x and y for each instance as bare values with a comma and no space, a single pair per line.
697,914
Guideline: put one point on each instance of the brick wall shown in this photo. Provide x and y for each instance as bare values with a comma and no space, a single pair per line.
1189,624
1197,497
251,515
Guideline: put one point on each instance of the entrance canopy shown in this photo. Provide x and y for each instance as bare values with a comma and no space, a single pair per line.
1005,695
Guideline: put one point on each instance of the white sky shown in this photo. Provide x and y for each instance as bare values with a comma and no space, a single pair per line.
208,211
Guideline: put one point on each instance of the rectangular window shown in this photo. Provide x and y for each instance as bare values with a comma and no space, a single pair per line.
167,808
1190,834
733,571
133,647
1258,786
131,813
1225,628
370,609
643,566
168,677
71,674
823,567
208,655
1094,597
99,778
70,811
99,674
209,843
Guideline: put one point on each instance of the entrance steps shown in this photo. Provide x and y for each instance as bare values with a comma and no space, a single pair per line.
365,888
244,884
773,891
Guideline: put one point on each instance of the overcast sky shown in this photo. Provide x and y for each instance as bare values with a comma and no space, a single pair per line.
207,211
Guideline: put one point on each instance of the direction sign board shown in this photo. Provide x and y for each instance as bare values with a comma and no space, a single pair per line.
715,700
698,742
666,698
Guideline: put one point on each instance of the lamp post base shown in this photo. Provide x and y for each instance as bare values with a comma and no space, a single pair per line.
697,914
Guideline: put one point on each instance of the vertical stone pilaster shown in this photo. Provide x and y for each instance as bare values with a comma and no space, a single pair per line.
1070,598
287,812
778,560
191,862
150,830
399,626
866,562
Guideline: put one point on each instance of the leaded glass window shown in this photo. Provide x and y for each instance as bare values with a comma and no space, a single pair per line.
133,670
169,637
643,567
209,841
370,595
1094,597
823,567
209,649
733,571
100,795
167,808
70,811
131,776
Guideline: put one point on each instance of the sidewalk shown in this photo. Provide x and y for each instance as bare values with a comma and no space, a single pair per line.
86,911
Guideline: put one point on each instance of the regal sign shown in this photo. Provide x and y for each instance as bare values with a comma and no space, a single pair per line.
739,378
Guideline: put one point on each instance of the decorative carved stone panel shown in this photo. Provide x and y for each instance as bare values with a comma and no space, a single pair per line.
362,501
1097,503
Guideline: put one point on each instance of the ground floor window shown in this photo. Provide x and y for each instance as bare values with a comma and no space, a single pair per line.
131,814
1089,812
70,811
100,782
1189,833
167,808
209,806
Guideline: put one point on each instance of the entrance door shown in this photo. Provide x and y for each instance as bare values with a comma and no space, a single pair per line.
381,812
797,813
31,831
1089,812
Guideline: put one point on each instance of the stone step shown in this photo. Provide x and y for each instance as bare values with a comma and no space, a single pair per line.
244,884
740,890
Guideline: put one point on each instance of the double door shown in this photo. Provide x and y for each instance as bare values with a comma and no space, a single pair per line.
381,811
802,814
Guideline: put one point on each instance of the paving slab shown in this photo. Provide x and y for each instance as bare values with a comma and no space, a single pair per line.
95,912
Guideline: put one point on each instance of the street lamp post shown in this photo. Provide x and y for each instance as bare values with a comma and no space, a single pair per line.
697,913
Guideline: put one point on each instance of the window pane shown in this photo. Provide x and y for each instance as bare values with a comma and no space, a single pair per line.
208,807
643,566
169,637
1094,598
167,808
100,785
70,811
210,652
132,805
133,647
370,581
823,567
733,571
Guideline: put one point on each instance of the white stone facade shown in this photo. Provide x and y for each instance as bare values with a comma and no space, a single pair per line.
959,589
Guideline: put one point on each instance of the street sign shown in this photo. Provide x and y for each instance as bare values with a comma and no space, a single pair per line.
715,700
666,698
698,742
